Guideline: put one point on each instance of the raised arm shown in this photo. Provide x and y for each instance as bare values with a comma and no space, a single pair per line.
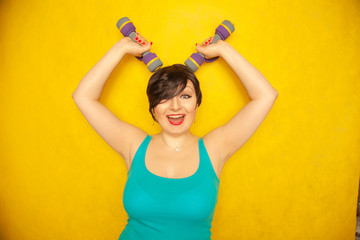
227,139
123,137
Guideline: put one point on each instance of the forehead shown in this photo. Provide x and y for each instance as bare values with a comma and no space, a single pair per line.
189,85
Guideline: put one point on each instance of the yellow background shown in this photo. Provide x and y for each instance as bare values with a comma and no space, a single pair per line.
296,178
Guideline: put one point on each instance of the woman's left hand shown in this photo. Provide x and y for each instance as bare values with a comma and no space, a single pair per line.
210,50
137,48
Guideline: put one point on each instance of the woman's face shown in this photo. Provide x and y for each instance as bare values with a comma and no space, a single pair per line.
177,114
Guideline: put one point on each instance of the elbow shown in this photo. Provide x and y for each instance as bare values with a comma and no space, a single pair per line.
77,94
75,97
80,99
273,95
276,94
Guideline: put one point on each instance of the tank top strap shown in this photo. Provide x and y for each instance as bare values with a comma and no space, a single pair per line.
136,164
206,162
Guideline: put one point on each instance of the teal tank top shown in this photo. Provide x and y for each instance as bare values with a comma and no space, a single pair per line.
162,208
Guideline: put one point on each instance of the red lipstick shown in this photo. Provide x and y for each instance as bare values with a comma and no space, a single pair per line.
176,119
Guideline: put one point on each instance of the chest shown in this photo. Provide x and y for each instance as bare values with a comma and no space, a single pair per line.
172,164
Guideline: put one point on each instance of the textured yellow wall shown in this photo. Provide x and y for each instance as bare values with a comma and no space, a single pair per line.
296,178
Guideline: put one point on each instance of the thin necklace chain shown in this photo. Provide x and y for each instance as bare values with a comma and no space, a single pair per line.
178,148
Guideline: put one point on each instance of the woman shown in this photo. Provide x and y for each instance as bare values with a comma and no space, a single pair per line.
173,176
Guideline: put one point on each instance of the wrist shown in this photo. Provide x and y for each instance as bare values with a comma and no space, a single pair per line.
120,48
226,50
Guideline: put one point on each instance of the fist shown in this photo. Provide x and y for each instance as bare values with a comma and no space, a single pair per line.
210,50
135,48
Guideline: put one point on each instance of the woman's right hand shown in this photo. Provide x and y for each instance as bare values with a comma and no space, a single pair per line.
211,50
135,48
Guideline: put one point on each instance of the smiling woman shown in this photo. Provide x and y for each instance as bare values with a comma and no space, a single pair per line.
168,82
173,176
174,95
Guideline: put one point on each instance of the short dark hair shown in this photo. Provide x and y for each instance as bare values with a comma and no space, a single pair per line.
167,82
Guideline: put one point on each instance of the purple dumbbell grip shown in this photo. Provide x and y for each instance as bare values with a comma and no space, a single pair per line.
222,32
197,58
127,29
210,60
148,57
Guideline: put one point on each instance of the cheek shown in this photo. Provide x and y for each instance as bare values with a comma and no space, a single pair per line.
191,110
158,111
192,107
155,113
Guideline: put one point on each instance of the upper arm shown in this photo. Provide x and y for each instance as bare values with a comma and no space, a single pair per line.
229,138
123,137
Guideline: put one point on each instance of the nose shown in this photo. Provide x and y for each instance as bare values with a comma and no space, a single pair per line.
175,104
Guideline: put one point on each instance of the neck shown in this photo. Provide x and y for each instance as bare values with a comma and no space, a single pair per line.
175,141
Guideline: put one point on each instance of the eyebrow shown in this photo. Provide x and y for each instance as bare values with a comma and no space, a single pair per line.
188,86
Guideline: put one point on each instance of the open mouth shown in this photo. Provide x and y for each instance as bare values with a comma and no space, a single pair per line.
176,119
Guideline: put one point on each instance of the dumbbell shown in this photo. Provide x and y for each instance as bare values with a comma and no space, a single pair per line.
127,29
223,31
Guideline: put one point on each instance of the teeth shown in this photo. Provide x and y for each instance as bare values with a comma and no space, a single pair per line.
177,116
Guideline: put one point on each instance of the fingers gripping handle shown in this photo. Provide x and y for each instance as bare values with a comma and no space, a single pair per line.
223,31
127,29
